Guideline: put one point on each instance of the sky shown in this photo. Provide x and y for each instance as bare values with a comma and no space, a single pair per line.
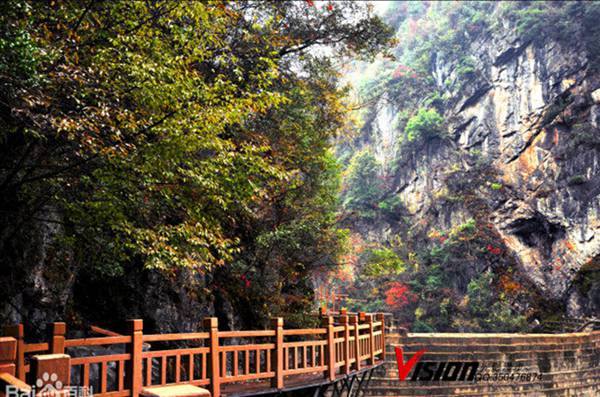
380,6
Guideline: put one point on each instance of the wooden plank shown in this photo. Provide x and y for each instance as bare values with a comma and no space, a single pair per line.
99,359
261,346
104,340
246,334
36,347
173,352
305,343
253,376
173,337
306,331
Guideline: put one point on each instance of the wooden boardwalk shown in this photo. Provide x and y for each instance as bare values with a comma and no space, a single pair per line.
228,363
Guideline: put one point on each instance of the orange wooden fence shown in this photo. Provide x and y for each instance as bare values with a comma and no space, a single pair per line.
214,358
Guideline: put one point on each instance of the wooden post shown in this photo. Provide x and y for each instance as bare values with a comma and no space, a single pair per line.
323,311
134,367
381,318
369,319
57,365
211,324
57,340
354,323
277,357
330,373
16,331
344,322
362,316
8,355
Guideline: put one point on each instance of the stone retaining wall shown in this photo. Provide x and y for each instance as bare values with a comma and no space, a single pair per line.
569,364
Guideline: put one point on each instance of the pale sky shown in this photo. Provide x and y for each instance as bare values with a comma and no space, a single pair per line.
380,6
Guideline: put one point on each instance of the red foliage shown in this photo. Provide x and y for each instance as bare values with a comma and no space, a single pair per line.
494,250
404,71
245,280
310,3
398,295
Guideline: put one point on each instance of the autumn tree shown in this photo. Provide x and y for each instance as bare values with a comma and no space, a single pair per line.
177,135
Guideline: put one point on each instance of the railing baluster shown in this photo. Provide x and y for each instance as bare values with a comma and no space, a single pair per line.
371,340
86,375
235,363
257,363
149,371
121,375
163,370
191,367
223,364
346,347
354,323
103,376
177,368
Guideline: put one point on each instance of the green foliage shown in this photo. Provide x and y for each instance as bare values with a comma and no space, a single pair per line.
19,54
577,180
363,187
489,311
588,276
391,206
425,124
181,137
496,186
384,262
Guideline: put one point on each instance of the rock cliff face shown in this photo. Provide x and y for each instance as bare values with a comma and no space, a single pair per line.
532,116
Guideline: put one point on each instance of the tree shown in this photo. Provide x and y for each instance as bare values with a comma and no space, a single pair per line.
426,123
363,186
164,135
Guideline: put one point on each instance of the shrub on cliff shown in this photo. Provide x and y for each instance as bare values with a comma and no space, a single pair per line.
425,124
363,185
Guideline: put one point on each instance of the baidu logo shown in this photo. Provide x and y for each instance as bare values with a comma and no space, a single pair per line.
49,386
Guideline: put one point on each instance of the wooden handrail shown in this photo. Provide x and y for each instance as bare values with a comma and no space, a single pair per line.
217,357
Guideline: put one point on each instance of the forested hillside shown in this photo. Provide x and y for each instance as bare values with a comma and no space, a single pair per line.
249,159
170,160
471,182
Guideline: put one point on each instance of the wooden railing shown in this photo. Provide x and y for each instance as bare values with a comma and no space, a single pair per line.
213,358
